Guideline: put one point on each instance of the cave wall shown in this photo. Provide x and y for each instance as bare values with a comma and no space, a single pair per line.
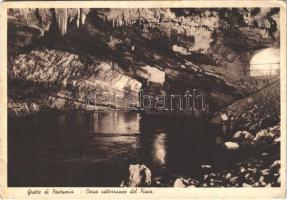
61,77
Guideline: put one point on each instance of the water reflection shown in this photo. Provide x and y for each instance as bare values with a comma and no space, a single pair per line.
159,149
115,122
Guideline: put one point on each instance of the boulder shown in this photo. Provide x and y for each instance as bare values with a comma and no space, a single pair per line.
243,135
180,183
139,176
247,135
276,165
237,134
246,185
224,117
228,176
231,145
244,138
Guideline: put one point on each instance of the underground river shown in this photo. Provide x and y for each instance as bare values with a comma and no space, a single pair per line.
96,149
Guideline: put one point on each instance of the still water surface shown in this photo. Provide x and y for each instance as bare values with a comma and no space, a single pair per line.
95,149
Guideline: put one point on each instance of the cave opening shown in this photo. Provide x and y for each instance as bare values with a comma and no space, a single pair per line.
265,63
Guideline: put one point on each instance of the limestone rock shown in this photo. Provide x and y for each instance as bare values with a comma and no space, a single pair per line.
139,176
243,138
224,117
180,183
231,145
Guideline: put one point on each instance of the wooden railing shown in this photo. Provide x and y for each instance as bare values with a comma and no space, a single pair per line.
270,71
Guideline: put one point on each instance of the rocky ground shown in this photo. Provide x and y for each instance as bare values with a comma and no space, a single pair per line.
260,170
257,111
256,127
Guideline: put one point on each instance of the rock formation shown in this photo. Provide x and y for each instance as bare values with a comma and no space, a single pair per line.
139,176
194,48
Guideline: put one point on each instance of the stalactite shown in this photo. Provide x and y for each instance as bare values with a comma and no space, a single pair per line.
72,13
62,19
83,17
78,18
84,12
25,12
65,21
63,15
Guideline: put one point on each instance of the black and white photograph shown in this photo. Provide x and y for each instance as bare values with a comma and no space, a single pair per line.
144,97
